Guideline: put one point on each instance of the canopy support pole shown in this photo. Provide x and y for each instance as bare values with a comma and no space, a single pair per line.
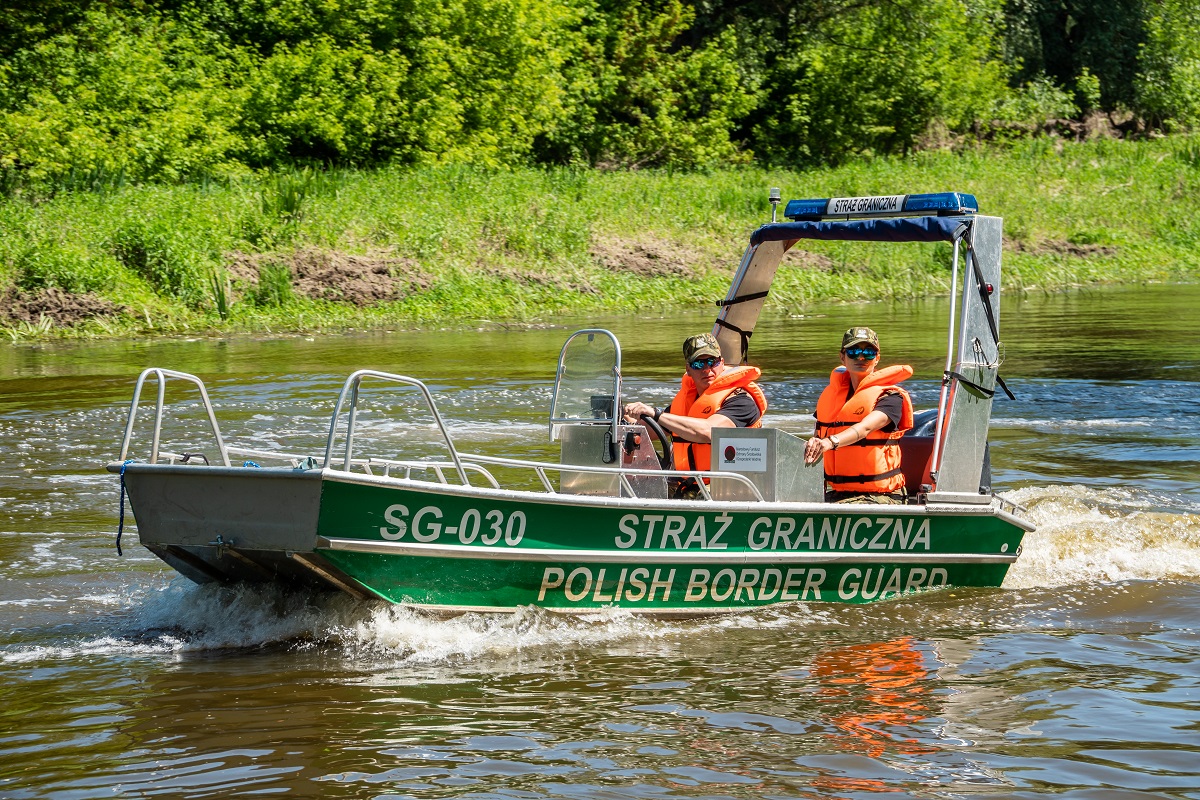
937,433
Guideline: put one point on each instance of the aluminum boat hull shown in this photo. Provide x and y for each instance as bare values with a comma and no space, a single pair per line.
455,548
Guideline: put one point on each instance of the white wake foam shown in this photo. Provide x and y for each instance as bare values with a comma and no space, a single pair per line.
183,617
1086,535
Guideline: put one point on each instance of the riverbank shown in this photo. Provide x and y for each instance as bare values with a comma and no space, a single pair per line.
456,245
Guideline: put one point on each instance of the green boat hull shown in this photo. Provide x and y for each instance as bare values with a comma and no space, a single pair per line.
466,550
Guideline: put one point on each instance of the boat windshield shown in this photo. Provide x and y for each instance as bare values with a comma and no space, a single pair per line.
588,383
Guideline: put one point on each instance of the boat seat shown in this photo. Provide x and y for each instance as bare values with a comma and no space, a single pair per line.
916,450
915,453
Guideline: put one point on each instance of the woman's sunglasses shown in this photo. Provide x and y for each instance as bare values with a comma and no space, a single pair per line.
704,363
868,353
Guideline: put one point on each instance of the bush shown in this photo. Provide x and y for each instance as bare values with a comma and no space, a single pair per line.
1037,101
1168,85
122,96
98,95
636,98
154,254
115,98
274,288
427,80
64,265
872,78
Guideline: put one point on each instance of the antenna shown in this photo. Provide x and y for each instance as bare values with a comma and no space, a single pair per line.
775,198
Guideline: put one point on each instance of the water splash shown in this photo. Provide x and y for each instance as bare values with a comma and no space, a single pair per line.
182,617
406,634
1085,535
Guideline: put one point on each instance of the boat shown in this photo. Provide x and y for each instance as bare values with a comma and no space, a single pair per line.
464,532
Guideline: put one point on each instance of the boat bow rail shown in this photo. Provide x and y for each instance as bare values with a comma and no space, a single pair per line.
350,390
161,375
339,456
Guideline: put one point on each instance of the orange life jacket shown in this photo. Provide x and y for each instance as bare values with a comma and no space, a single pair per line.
871,464
698,455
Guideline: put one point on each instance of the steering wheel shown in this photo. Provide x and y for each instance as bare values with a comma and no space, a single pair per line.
667,459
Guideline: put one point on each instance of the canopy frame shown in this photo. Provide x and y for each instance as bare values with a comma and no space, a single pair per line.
973,349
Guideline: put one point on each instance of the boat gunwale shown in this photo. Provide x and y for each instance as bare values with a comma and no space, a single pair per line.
991,509
731,557
994,508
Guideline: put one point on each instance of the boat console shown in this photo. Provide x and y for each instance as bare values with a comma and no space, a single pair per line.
945,461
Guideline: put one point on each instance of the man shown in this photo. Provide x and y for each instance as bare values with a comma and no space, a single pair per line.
861,416
712,396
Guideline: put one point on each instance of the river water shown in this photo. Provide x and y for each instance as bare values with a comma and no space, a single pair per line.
1079,678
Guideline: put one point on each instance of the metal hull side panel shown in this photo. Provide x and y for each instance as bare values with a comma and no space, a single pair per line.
231,565
965,432
461,549
691,589
250,509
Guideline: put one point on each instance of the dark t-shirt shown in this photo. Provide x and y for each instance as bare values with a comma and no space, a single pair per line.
893,406
889,403
741,408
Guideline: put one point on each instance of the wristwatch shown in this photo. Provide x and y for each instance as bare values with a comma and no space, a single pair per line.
835,441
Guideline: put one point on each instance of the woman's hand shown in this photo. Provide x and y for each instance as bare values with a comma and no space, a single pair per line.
815,448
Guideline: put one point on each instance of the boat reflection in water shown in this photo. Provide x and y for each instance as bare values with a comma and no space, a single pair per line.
885,688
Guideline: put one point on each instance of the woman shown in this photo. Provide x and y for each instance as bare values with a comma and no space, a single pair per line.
861,416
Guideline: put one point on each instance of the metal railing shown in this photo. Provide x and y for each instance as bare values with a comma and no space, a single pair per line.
161,375
472,462
351,388
541,468
462,464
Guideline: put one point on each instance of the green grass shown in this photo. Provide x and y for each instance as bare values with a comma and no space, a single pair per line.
516,245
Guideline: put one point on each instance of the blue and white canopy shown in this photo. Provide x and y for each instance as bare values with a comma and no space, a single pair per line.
973,349
893,229
942,204
941,217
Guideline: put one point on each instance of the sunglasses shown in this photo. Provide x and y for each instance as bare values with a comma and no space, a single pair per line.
869,353
708,362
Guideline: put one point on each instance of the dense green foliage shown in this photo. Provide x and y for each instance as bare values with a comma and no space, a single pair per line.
234,164
468,243
874,76
1168,87
105,92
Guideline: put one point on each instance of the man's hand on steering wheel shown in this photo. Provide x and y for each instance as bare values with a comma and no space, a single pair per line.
667,458
632,411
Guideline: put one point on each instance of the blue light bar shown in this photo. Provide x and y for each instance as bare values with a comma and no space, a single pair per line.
805,209
942,204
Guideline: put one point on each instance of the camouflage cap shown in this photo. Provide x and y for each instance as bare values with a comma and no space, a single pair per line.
704,344
860,336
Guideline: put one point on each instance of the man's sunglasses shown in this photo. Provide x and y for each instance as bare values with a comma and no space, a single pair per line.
708,362
868,353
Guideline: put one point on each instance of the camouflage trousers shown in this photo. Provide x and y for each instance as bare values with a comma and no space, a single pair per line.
876,498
